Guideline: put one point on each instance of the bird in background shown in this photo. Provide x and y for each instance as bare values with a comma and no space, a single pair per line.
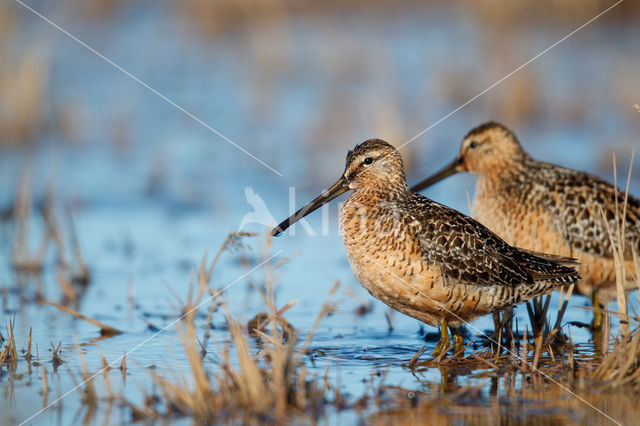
424,259
548,208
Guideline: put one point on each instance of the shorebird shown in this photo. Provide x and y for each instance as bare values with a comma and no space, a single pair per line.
548,208
422,258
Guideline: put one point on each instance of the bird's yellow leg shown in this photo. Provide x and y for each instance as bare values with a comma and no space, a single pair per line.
458,341
596,324
443,343
446,379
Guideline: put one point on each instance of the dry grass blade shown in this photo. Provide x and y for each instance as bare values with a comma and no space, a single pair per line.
539,324
105,330
28,355
56,358
525,351
83,275
253,384
486,361
10,353
260,322
414,358
622,365
621,224
89,395
232,242
22,260
4,355
45,388
72,264
388,317
123,366
327,308
563,308
618,241
66,286
249,378
45,384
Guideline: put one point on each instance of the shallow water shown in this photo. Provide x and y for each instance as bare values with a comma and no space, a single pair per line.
152,191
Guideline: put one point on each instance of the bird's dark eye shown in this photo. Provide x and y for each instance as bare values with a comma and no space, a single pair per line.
367,161
473,144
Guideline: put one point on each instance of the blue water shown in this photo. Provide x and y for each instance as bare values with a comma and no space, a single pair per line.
152,190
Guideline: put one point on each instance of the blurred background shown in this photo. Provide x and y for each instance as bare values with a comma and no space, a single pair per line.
294,83
297,84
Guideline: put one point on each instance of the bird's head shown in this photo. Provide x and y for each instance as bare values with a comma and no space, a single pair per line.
487,149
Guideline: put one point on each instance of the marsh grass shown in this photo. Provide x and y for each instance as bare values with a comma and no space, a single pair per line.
72,273
56,356
621,365
21,258
23,82
260,374
105,329
546,363
619,356
9,354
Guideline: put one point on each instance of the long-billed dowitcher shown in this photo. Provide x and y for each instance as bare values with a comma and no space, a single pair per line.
547,208
422,258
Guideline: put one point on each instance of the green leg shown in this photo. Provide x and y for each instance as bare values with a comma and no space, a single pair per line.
443,343
458,341
596,324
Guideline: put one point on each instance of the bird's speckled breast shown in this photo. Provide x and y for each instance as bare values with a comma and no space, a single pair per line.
387,261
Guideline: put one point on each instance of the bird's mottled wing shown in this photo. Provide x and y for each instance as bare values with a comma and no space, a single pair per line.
584,209
467,250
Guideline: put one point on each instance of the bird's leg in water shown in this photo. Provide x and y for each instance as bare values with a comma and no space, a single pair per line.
443,343
458,340
596,324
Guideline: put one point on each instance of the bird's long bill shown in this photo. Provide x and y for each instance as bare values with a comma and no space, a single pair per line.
340,187
452,168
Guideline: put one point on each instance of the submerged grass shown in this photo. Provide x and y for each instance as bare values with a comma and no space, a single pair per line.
261,376
72,273
105,329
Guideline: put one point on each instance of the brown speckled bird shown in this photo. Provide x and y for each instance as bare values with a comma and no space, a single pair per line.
422,258
548,208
